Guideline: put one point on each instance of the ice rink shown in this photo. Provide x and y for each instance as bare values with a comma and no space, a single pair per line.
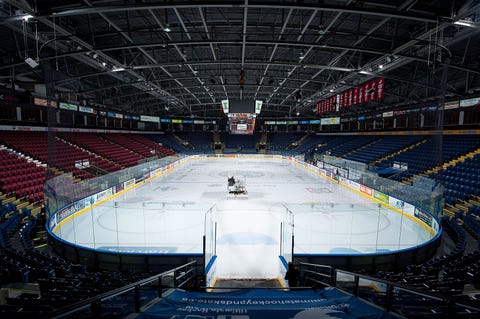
168,214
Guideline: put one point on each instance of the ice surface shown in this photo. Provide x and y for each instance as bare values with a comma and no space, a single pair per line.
167,215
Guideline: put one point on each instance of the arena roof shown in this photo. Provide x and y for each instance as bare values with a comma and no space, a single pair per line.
184,57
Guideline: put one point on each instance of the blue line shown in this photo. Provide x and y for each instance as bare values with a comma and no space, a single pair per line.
210,264
284,262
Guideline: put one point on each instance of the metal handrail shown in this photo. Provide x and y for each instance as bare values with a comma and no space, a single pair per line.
390,286
96,300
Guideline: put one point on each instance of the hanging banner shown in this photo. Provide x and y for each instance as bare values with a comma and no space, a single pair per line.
380,88
355,96
225,106
258,106
366,92
361,94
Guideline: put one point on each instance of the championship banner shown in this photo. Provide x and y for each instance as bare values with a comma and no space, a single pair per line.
369,91
355,96
361,94
380,88
366,92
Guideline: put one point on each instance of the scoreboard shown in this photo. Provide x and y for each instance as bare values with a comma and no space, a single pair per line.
241,123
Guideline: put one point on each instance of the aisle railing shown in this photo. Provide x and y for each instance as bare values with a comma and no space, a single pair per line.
389,296
92,307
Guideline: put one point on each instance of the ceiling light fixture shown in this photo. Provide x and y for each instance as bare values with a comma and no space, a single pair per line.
464,23
32,63
117,69
167,28
302,55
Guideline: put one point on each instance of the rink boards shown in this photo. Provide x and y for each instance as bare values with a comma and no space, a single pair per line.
304,245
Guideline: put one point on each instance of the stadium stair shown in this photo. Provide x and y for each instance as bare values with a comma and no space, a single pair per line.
95,168
263,141
302,139
452,162
297,143
399,151
184,144
217,140
362,147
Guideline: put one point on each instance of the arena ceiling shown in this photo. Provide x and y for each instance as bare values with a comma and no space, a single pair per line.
183,57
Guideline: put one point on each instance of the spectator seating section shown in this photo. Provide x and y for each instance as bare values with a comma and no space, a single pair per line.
99,145
61,155
279,142
315,144
350,144
167,140
461,181
235,143
444,274
139,144
429,154
200,142
20,177
383,147
61,282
